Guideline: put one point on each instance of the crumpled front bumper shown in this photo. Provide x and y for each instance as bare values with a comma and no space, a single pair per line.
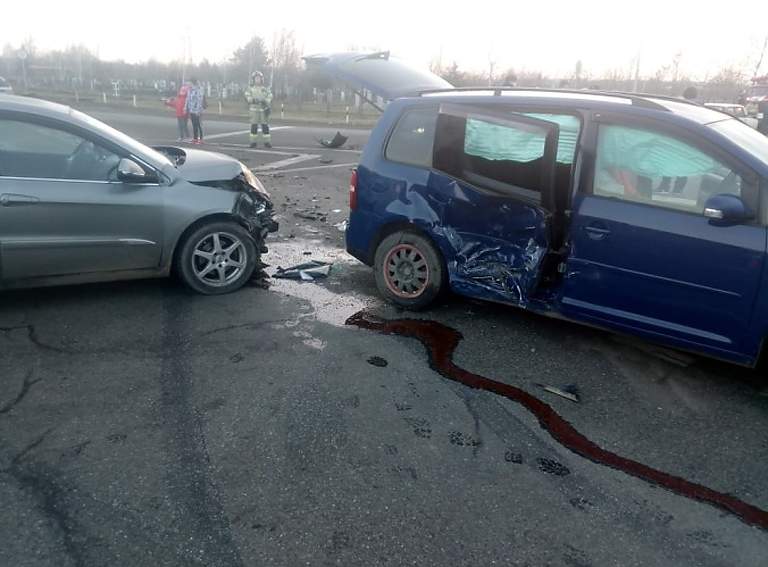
256,214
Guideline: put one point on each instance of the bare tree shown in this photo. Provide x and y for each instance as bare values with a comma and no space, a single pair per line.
286,63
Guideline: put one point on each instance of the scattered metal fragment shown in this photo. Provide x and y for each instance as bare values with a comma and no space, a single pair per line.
569,392
307,272
336,142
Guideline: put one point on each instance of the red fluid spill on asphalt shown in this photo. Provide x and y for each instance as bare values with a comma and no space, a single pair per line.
441,342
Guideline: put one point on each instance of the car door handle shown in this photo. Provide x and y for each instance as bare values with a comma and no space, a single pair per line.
597,232
12,199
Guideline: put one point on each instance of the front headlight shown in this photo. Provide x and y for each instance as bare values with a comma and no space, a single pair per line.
253,181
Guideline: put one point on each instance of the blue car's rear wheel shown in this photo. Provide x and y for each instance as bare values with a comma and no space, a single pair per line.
409,270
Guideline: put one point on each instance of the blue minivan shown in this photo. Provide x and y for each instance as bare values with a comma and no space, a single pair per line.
642,214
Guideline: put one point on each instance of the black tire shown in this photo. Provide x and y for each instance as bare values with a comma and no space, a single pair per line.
419,285
189,266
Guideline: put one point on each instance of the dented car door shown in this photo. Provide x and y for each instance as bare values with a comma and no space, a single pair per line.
492,188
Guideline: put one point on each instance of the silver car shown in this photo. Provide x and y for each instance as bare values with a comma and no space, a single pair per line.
82,202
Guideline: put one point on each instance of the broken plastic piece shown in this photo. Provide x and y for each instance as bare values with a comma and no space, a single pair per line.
341,226
306,272
336,142
569,392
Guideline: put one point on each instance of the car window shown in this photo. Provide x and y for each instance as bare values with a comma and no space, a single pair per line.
568,136
413,138
654,168
26,137
29,149
745,137
503,156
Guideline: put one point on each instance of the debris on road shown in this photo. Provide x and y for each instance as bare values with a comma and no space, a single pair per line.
307,272
569,392
325,160
378,361
259,278
336,142
311,215
341,226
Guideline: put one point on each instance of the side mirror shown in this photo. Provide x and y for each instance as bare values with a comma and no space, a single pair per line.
727,208
128,171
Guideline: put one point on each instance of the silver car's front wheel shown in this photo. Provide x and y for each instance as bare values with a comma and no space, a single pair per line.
217,258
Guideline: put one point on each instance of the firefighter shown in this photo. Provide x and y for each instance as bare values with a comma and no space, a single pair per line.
259,99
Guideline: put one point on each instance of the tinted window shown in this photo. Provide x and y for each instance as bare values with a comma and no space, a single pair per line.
412,140
654,168
32,150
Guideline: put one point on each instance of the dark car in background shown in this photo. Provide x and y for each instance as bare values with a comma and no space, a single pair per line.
82,202
641,214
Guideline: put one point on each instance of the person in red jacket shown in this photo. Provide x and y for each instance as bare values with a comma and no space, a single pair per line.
179,103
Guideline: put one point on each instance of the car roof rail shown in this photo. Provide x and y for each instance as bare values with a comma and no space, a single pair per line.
637,99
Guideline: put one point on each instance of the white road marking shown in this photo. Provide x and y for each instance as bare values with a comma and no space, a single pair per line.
245,148
296,169
324,149
241,132
284,162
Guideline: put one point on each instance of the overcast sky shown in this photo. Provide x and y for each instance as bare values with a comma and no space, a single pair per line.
548,35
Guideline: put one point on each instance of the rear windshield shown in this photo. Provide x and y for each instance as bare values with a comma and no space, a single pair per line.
748,138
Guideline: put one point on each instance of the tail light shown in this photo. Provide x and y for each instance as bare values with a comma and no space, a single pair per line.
353,191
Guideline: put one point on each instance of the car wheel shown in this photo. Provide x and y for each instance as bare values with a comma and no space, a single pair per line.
217,258
409,270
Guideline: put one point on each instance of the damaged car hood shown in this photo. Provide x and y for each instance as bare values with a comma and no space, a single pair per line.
384,76
199,165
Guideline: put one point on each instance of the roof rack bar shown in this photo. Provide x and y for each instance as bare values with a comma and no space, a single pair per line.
638,99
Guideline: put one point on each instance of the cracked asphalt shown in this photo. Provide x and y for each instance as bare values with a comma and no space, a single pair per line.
143,425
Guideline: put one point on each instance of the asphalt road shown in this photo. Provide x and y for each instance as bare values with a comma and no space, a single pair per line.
144,425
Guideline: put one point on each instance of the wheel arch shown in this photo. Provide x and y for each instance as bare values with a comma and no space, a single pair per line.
397,226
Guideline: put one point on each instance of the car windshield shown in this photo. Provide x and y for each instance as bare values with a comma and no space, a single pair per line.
124,140
748,138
